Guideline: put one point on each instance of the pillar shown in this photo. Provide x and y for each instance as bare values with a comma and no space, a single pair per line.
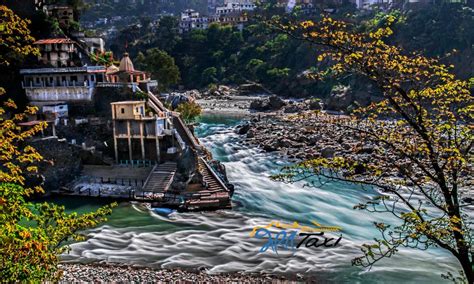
157,148
142,141
115,143
129,138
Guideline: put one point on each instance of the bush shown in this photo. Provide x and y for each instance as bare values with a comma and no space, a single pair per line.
189,111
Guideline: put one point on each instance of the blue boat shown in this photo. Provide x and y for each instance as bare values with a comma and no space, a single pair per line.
163,211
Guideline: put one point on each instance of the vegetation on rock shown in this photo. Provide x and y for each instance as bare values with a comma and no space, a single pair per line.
189,111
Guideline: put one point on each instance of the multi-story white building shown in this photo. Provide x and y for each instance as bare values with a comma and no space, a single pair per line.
368,4
231,6
191,20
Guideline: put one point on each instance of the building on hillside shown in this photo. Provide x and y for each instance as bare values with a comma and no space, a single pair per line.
91,44
232,6
126,72
56,110
369,4
59,52
191,20
234,19
46,86
233,14
137,134
64,14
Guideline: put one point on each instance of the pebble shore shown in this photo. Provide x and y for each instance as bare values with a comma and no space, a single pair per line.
102,273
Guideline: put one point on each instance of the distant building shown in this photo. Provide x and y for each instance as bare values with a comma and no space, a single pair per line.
235,19
64,14
232,6
57,110
191,20
137,134
46,86
59,52
91,44
126,72
233,14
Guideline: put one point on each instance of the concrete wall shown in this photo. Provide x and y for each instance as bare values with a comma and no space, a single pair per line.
67,94
128,111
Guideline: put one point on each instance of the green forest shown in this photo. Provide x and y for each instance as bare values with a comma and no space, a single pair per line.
261,54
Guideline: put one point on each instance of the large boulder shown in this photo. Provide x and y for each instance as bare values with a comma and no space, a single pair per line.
314,104
340,98
250,89
243,129
272,103
275,102
328,152
257,105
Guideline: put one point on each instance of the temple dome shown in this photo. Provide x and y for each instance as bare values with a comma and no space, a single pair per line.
126,63
112,69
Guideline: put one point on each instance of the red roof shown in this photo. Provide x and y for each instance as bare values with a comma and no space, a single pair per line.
32,123
54,40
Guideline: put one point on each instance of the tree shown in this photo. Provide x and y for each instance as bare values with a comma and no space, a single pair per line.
162,67
415,145
209,75
168,33
15,40
32,235
189,111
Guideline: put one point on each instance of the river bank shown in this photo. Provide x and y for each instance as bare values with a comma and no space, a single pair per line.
101,273
232,105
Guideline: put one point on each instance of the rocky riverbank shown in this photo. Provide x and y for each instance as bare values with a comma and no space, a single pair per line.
128,274
293,138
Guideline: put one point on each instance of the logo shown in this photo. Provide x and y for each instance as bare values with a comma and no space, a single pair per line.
286,239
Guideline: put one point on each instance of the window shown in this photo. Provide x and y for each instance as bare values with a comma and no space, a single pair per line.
122,110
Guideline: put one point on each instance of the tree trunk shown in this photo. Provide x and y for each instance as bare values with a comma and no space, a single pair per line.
466,266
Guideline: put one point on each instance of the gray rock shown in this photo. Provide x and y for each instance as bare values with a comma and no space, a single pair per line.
276,102
339,99
328,152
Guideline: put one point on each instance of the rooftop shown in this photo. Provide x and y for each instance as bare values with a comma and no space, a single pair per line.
85,69
127,103
54,40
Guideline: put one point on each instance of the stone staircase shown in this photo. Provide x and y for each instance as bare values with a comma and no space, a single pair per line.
158,182
216,194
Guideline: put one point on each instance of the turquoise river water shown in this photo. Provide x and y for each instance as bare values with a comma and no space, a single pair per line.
220,241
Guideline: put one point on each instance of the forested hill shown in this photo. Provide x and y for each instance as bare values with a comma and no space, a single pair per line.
259,54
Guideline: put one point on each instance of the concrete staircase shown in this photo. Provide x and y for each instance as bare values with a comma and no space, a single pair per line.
158,182
216,194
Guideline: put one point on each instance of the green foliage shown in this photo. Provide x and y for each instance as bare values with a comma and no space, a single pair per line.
141,95
278,73
104,58
261,54
189,111
33,235
209,75
161,66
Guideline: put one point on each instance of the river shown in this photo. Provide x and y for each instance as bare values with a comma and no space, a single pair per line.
220,241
